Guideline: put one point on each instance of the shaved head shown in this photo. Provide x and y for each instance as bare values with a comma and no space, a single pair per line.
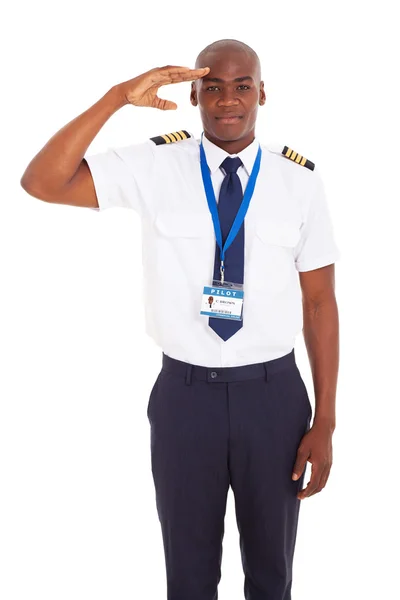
229,95
227,47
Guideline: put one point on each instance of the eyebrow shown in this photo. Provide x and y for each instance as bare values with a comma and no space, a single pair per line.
218,80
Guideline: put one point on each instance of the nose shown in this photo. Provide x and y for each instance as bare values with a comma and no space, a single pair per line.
227,98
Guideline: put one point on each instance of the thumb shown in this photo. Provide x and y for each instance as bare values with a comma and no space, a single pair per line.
170,105
300,464
164,104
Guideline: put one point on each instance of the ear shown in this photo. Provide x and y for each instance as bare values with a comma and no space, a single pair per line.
262,94
193,94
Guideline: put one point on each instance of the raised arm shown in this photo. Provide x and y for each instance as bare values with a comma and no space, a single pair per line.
59,172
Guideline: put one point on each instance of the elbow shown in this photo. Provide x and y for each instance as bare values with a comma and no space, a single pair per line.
30,189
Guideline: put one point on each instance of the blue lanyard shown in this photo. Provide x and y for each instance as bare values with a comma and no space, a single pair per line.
212,204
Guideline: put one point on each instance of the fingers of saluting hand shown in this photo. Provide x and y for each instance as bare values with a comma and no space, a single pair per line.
173,74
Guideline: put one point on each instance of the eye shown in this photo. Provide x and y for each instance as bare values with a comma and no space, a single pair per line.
215,87
243,85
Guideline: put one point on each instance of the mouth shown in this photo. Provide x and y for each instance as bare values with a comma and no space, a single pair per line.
229,119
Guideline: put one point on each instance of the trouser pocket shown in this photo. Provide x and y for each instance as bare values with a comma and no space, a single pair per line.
152,396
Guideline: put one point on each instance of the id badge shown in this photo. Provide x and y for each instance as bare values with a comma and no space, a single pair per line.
223,301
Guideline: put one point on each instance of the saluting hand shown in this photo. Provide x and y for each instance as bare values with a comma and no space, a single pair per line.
142,90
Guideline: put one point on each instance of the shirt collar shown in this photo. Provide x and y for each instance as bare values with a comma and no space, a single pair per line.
215,155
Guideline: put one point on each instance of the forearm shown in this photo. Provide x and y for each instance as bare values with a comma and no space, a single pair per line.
321,336
57,162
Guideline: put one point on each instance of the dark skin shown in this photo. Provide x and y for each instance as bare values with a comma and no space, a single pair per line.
320,313
321,336
219,98
59,174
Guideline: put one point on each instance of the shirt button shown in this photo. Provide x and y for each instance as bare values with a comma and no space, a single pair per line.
213,374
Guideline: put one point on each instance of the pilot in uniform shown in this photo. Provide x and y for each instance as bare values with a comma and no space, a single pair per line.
229,406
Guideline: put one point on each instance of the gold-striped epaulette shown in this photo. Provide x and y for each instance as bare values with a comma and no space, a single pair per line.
297,158
168,138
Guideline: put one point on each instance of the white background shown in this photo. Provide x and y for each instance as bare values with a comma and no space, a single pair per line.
77,502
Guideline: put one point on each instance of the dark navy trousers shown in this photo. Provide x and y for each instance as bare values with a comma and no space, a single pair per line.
211,428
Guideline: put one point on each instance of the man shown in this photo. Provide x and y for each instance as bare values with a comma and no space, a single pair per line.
228,224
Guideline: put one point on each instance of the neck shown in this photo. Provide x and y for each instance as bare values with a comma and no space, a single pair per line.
232,146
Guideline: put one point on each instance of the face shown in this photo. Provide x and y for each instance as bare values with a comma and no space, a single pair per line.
229,95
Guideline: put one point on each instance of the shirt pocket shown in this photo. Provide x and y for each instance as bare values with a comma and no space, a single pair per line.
184,247
271,265
278,233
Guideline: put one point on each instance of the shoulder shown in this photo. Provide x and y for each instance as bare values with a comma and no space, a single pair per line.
173,143
298,172
288,156
171,138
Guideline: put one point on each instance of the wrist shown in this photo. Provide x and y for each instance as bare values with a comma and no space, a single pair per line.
118,97
325,422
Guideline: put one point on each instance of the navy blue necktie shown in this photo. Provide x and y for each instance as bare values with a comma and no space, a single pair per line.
230,199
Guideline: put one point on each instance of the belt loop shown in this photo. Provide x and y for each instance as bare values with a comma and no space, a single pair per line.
188,374
266,371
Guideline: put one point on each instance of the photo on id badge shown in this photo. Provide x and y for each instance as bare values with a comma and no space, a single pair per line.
224,301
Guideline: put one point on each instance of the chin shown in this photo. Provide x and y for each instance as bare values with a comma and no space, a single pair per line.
229,132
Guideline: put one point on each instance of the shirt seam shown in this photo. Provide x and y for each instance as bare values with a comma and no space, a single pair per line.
323,260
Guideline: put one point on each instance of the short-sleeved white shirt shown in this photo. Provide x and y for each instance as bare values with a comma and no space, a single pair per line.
287,229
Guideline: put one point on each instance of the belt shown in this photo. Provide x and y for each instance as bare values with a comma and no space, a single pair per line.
227,374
